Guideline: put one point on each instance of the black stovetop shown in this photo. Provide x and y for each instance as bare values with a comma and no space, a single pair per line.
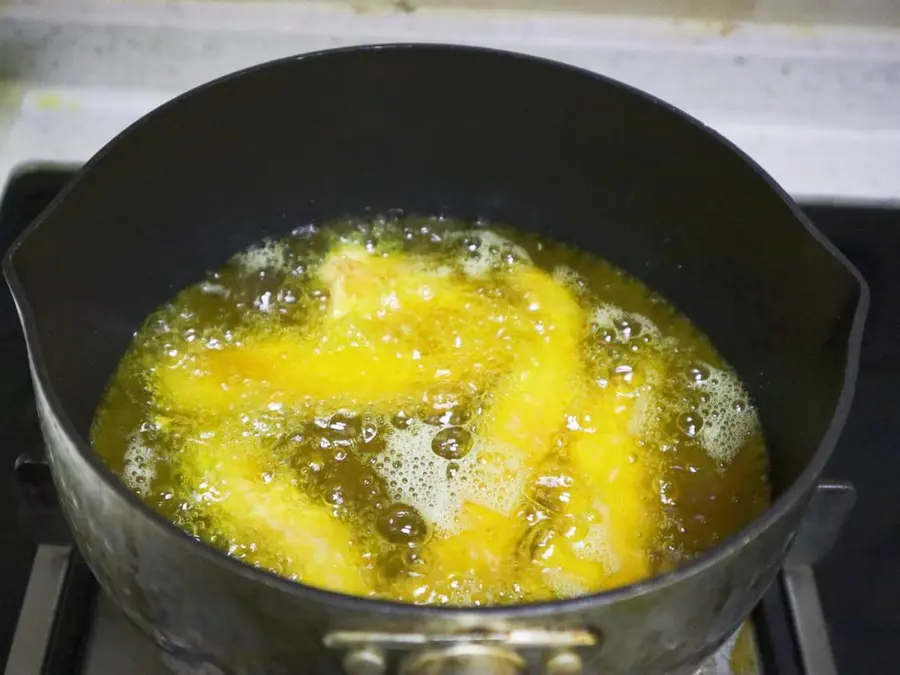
25,197
859,581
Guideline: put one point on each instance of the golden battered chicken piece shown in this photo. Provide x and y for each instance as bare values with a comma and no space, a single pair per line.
613,486
527,409
473,566
366,284
267,518
393,331
286,370
477,564
529,405
559,572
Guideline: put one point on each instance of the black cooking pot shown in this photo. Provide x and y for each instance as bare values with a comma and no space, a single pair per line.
431,129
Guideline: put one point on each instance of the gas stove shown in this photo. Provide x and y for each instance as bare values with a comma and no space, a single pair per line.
837,614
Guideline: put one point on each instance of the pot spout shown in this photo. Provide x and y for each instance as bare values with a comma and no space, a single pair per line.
62,280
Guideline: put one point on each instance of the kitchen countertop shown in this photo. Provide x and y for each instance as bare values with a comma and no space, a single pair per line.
817,106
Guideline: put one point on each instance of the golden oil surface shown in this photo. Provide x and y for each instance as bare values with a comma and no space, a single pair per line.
434,412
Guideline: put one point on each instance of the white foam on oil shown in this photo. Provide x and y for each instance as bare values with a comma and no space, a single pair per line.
610,317
563,584
642,418
567,277
728,418
140,466
417,476
488,251
267,256
597,547
495,477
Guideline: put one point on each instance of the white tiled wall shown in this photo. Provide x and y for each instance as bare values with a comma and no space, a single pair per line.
846,12
817,105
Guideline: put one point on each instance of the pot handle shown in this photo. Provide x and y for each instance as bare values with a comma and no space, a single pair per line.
470,653
826,516
828,511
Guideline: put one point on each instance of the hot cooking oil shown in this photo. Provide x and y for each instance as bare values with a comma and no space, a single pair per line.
434,412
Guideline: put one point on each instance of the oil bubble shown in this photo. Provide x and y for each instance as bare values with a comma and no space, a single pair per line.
452,443
627,328
401,420
444,405
698,372
690,423
402,524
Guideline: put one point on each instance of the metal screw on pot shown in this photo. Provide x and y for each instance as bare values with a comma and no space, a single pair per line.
470,653
366,661
464,659
564,663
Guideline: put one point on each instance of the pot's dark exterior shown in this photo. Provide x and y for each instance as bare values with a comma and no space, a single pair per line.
430,129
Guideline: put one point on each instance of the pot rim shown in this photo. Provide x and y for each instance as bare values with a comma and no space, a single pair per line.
801,486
